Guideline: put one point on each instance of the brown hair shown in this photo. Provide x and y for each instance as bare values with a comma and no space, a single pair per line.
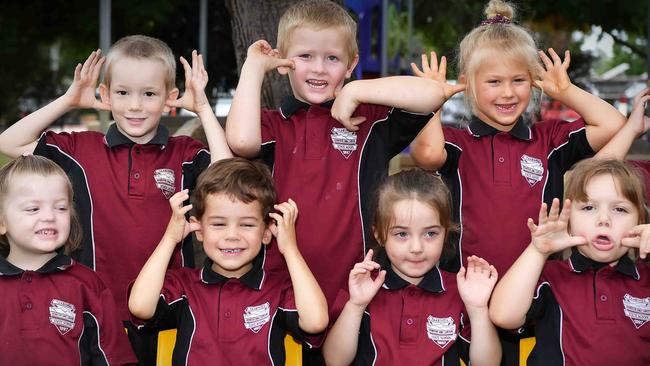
38,165
414,184
318,14
242,179
509,40
142,47
628,180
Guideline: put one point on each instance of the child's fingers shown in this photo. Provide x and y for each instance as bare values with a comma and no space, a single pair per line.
442,68
531,225
379,280
542,214
425,63
368,256
631,242
416,70
460,276
567,60
643,93
566,211
185,209
555,210
554,56
355,121
277,217
77,72
97,68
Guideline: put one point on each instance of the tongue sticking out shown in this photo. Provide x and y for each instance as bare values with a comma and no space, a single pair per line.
602,242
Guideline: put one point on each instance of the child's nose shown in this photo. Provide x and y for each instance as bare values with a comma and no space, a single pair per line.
416,246
603,218
134,103
507,90
47,214
318,65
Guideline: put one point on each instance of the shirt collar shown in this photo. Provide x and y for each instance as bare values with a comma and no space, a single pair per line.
519,130
431,282
115,138
59,263
290,105
252,279
580,263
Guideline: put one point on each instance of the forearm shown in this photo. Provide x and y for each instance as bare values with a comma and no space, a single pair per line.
428,147
341,344
21,137
215,135
485,348
601,118
410,93
310,300
619,145
147,286
514,293
243,126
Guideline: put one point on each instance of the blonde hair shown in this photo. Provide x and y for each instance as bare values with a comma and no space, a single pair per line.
507,39
318,14
416,184
38,165
142,47
628,180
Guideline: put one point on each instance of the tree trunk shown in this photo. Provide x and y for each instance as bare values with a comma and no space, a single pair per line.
258,19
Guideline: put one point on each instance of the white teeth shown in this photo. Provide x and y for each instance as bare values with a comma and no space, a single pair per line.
317,84
46,232
230,251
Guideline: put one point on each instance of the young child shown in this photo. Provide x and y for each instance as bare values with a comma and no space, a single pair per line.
590,309
54,311
122,180
329,170
413,313
232,311
499,163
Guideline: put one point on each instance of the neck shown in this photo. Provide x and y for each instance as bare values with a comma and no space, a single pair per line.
29,262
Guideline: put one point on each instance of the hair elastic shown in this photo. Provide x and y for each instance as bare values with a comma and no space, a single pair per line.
497,19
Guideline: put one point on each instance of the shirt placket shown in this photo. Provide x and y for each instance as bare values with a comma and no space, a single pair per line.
410,319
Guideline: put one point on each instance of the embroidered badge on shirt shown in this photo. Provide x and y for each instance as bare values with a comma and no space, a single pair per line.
637,309
62,315
532,169
165,181
256,316
344,141
441,330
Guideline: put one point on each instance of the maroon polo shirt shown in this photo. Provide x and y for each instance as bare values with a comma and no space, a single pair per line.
121,193
332,174
499,179
588,313
412,325
644,167
228,321
60,314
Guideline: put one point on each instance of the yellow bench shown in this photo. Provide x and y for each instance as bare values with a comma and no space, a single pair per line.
167,339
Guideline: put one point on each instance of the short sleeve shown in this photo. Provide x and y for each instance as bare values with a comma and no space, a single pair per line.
290,320
569,143
170,293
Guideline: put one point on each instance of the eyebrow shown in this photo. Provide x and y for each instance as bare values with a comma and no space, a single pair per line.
406,227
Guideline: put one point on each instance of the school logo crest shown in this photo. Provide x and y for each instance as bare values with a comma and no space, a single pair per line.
256,316
532,169
62,315
165,181
344,141
637,309
441,330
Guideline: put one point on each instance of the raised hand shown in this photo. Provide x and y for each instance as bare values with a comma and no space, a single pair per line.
266,56
476,282
196,79
81,93
438,72
551,234
343,108
638,237
638,120
361,286
178,226
554,79
284,228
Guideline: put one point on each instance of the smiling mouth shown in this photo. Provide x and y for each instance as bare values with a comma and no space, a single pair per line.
317,84
231,251
46,232
506,108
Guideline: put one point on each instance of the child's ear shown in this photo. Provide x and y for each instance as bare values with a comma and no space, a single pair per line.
267,235
3,227
462,79
353,64
104,93
198,233
375,233
171,96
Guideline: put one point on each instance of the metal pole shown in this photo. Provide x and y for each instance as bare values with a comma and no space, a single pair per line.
384,38
203,30
410,56
104,44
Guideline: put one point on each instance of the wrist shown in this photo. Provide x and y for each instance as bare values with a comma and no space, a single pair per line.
355,307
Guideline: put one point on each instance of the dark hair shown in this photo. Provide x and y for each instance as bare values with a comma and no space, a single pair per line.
38,165
242,179
628,180
414,184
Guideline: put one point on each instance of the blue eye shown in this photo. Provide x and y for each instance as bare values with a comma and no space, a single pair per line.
431,234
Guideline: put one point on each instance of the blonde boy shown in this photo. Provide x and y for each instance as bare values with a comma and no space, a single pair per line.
330,171
122,180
